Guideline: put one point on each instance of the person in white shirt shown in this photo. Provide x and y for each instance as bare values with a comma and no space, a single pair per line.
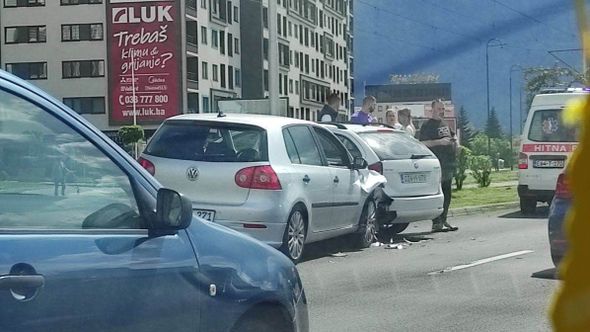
391,119
405,119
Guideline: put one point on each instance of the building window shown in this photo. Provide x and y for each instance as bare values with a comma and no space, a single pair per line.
28,70
290,86
284,55
265,80
215,73
192,102
86,105
230,44
222,42
205,70
236,46
265,17
265,48
236,14
25,34
23,3
205,104
192,69
83,68
229,11
297,87
80,2
214,38
215,7
204,35
204,6
78,32
222,74
230,77
238,78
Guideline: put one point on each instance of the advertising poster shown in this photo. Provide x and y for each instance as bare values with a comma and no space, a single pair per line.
143,41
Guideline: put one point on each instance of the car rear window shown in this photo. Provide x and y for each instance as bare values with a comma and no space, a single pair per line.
546,126
391,145
209,141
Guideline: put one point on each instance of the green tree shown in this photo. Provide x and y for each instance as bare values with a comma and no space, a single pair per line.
467,132
493,127
501,146
539,78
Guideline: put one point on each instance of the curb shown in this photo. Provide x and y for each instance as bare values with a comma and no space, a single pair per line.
471,210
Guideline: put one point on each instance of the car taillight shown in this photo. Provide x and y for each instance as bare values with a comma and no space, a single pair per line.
562,189
523,161
258,177
377,167
148,165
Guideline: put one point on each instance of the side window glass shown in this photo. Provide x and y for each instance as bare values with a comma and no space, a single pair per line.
350,146
335,153
290,146
305,146
53,178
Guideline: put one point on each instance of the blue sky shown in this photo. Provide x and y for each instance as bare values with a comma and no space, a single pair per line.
449,38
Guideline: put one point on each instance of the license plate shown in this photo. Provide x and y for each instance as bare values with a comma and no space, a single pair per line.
549,163
208,215
413,177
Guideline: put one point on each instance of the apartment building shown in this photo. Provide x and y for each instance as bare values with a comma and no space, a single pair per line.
64,47
315,53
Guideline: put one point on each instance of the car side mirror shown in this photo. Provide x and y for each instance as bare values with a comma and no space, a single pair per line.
359,163
173,210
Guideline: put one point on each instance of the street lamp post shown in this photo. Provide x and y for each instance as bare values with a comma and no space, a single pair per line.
499,43
512,69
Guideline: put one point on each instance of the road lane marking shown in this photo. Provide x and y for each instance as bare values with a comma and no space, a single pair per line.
482,261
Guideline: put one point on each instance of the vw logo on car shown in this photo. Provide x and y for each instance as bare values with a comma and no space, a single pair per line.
192,173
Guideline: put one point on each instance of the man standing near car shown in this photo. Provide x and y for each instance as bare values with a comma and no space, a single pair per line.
439,138
364,115
330,111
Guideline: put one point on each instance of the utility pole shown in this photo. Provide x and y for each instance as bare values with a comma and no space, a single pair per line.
273,59
488,84
512,69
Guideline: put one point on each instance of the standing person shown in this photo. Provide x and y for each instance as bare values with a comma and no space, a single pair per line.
364,115
391,119
439,138
404,117
60,171
330,111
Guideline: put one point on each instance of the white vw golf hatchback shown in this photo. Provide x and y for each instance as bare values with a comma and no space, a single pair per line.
284,181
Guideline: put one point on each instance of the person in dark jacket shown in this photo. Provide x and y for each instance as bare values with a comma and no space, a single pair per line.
438,137
330,111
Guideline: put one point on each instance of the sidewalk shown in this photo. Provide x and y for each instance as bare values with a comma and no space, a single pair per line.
471,210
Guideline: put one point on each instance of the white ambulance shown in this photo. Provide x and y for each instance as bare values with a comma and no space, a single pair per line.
546,145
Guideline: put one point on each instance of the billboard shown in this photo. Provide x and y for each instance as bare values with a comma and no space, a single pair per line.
143,42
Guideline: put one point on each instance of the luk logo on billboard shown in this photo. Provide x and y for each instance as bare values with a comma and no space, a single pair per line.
147,14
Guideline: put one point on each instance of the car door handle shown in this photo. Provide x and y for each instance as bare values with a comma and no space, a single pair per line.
336,180
10,281
306,179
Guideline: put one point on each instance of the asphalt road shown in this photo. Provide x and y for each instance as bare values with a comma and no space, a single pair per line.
379,289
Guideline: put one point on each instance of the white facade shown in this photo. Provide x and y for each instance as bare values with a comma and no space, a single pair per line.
316,34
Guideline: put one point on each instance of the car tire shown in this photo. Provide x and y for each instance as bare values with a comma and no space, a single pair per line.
367,224
528,206
295,234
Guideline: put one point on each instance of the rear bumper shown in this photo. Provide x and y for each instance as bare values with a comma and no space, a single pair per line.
540,195
410,209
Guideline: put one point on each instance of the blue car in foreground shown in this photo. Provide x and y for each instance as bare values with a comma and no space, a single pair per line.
557,213
89,241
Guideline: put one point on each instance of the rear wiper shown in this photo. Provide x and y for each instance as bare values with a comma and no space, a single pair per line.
419,156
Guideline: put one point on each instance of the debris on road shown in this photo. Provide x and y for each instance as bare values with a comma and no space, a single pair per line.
339,254
376,244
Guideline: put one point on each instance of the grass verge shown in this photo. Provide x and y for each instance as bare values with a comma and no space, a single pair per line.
504,175
483,196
